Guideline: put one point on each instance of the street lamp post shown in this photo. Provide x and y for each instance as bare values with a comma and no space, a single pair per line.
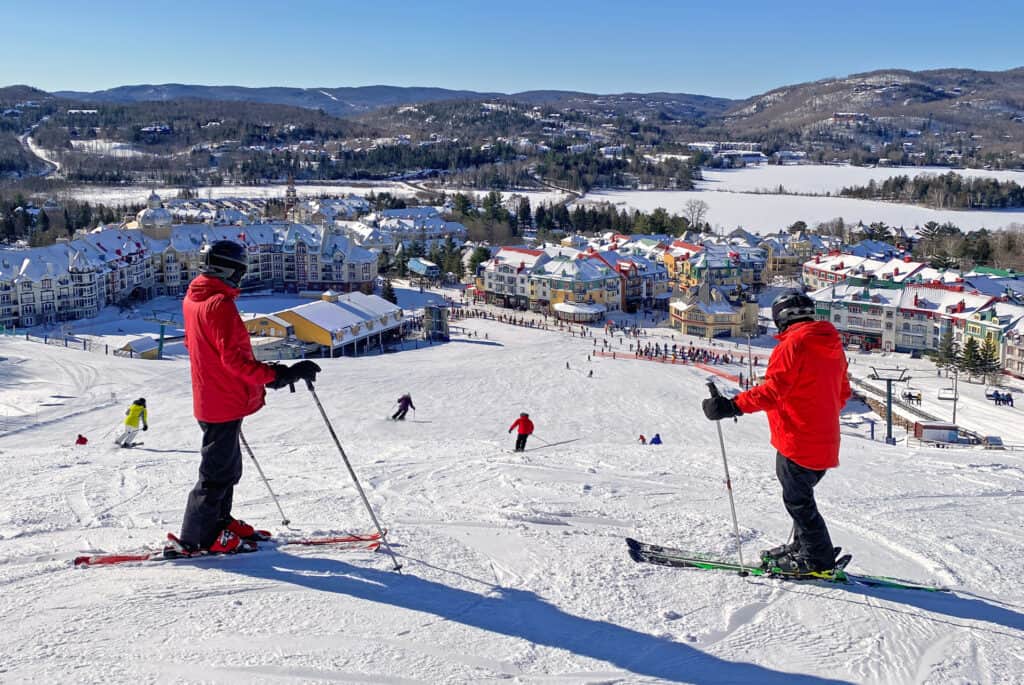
956,391
750,362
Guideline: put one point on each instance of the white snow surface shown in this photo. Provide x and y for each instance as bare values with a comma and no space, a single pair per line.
114,195
514,564
765,213
827,178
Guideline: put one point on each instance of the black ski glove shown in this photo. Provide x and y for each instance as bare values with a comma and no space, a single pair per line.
145,428
289,375
717,408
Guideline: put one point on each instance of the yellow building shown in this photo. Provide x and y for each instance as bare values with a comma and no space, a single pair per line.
267,326
677,260
346,326
708,314
144,348
575,281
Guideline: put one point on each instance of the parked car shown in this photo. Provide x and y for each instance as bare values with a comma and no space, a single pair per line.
947,394
990,393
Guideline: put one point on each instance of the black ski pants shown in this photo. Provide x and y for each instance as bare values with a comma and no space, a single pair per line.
209,504
521,441
400,414
809,529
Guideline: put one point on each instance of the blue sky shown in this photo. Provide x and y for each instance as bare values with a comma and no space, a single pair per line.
725,48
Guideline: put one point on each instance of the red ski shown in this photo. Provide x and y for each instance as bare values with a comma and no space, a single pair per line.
367,541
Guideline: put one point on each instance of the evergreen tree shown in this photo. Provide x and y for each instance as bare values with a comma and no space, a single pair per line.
969,360
479,256
989,364
388,292
524,213
463,206
947,354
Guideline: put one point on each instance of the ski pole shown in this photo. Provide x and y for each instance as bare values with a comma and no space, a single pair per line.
348,465
540,438
713,389
284,519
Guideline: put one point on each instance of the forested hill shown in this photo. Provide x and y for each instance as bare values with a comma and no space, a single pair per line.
973,114
357,100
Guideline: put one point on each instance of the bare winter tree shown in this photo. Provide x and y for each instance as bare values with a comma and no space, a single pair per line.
695,212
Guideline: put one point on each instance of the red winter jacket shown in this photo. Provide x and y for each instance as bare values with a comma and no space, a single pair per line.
525,426
804,390
227,383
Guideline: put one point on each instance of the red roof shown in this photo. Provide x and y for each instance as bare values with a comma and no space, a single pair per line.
523,250
687,246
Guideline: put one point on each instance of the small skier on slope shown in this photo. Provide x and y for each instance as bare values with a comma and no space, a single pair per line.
804,390
404,404
133,415
227,385
524,428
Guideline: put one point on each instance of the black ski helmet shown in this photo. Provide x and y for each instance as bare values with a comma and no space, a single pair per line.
790,307
223,259
141,401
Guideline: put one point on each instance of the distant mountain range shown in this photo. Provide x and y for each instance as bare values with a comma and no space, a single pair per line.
948,95
352,101
948,117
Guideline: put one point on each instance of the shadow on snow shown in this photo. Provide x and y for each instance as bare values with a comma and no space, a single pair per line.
520,614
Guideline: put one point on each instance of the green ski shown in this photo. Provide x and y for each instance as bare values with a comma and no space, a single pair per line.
668,556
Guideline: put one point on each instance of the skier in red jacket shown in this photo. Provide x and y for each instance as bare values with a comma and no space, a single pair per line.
524,429
805,388
227,385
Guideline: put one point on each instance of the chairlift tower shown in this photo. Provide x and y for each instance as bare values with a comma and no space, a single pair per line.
890,376
164,323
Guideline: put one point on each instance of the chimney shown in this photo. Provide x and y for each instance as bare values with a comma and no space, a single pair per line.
906,259
817,259
915,299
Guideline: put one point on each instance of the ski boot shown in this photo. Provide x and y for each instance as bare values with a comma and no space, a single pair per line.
802,567
768,556
247,532
226,543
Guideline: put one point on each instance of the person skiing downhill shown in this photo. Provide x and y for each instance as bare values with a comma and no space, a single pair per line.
524,428
227,385
135,413
804,390
404,404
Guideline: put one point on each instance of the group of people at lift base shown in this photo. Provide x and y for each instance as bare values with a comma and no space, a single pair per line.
805,388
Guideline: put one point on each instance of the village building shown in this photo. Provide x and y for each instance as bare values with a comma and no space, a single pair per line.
345,324
707,313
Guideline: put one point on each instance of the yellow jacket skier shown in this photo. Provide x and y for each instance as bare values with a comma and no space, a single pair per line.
135,413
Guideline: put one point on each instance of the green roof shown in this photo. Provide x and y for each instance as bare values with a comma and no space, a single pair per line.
992,271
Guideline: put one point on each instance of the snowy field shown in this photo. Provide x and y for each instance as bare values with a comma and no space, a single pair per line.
536,197
820,179
126,195
111,148
770,213
515,568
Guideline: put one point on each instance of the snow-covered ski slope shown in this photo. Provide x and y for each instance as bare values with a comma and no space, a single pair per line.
515,565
